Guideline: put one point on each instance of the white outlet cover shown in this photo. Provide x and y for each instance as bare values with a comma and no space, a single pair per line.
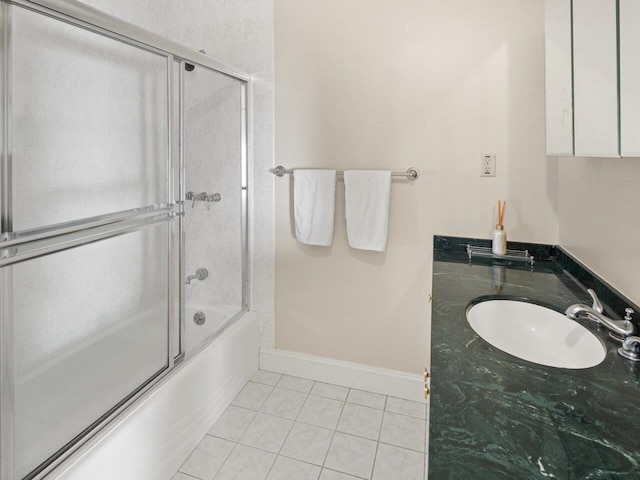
488,165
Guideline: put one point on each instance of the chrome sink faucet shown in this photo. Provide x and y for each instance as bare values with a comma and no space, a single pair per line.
622,328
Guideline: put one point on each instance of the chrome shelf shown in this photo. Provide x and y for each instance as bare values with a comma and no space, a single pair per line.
486,252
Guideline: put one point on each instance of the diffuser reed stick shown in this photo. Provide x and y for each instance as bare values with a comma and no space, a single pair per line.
501,206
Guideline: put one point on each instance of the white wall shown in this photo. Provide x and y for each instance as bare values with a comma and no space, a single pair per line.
430,84
598,215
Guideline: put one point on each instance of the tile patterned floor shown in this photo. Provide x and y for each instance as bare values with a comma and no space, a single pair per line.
288,428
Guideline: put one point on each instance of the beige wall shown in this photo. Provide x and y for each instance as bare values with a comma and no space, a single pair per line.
598,217
389,85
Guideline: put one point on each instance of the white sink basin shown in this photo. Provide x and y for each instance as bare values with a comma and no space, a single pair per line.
535,333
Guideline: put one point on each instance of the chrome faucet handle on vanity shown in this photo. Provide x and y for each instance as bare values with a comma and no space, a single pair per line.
622,328
630,349
597,304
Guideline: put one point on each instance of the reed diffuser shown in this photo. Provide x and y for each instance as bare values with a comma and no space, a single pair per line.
499,246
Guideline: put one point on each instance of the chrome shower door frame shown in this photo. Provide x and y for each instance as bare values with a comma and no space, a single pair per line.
19,246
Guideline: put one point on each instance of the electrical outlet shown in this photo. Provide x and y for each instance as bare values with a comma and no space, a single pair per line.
488,165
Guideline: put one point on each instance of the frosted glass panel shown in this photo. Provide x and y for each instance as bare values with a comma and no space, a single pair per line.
90,326
213,164
89,123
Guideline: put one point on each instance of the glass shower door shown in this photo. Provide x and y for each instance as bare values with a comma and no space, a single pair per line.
215,201
87,254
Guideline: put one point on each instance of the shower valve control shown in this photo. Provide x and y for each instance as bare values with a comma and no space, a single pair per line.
202,197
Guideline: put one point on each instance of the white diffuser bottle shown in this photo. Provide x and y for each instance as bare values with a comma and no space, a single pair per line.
499,246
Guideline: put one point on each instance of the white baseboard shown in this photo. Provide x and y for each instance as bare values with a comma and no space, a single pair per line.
346,374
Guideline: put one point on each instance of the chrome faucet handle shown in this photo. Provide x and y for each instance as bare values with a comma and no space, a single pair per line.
597,304
630,349
628,312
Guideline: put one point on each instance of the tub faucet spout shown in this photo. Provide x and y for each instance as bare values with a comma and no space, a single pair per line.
201,274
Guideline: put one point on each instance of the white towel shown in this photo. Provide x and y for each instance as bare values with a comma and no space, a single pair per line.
367,197
314,202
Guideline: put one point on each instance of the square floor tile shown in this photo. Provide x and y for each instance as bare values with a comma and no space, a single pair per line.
290,469
333,475
284,403
268,378
361,421
367,399
326,390
395,463
321,412
298,384
403,431
307,443
246,463
207,458
232,423
352,455
406,407
252,396
267,432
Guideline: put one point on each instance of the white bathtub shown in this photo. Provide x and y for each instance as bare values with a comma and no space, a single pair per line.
156,434
217,317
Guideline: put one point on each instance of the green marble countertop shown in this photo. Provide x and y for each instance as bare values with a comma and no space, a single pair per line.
494,416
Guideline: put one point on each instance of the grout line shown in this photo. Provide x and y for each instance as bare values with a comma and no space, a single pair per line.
334,431
338,471
375,457
225,460
187,475
404,448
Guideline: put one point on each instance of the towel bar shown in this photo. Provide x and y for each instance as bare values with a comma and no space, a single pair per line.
412,173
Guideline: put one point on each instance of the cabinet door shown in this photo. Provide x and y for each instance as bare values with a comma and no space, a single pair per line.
629,78
558,77
595,70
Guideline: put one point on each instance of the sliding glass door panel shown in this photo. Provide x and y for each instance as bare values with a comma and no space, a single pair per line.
213,157
89,123
90,327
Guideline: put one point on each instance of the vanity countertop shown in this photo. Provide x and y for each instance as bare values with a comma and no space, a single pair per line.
495,416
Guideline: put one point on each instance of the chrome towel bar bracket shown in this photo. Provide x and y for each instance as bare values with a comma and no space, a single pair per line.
412,173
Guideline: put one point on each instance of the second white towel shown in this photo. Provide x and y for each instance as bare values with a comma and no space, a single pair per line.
367,198
314,200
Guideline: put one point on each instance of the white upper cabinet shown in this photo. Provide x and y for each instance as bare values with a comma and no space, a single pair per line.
558,77
592,89
630,78
595,78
